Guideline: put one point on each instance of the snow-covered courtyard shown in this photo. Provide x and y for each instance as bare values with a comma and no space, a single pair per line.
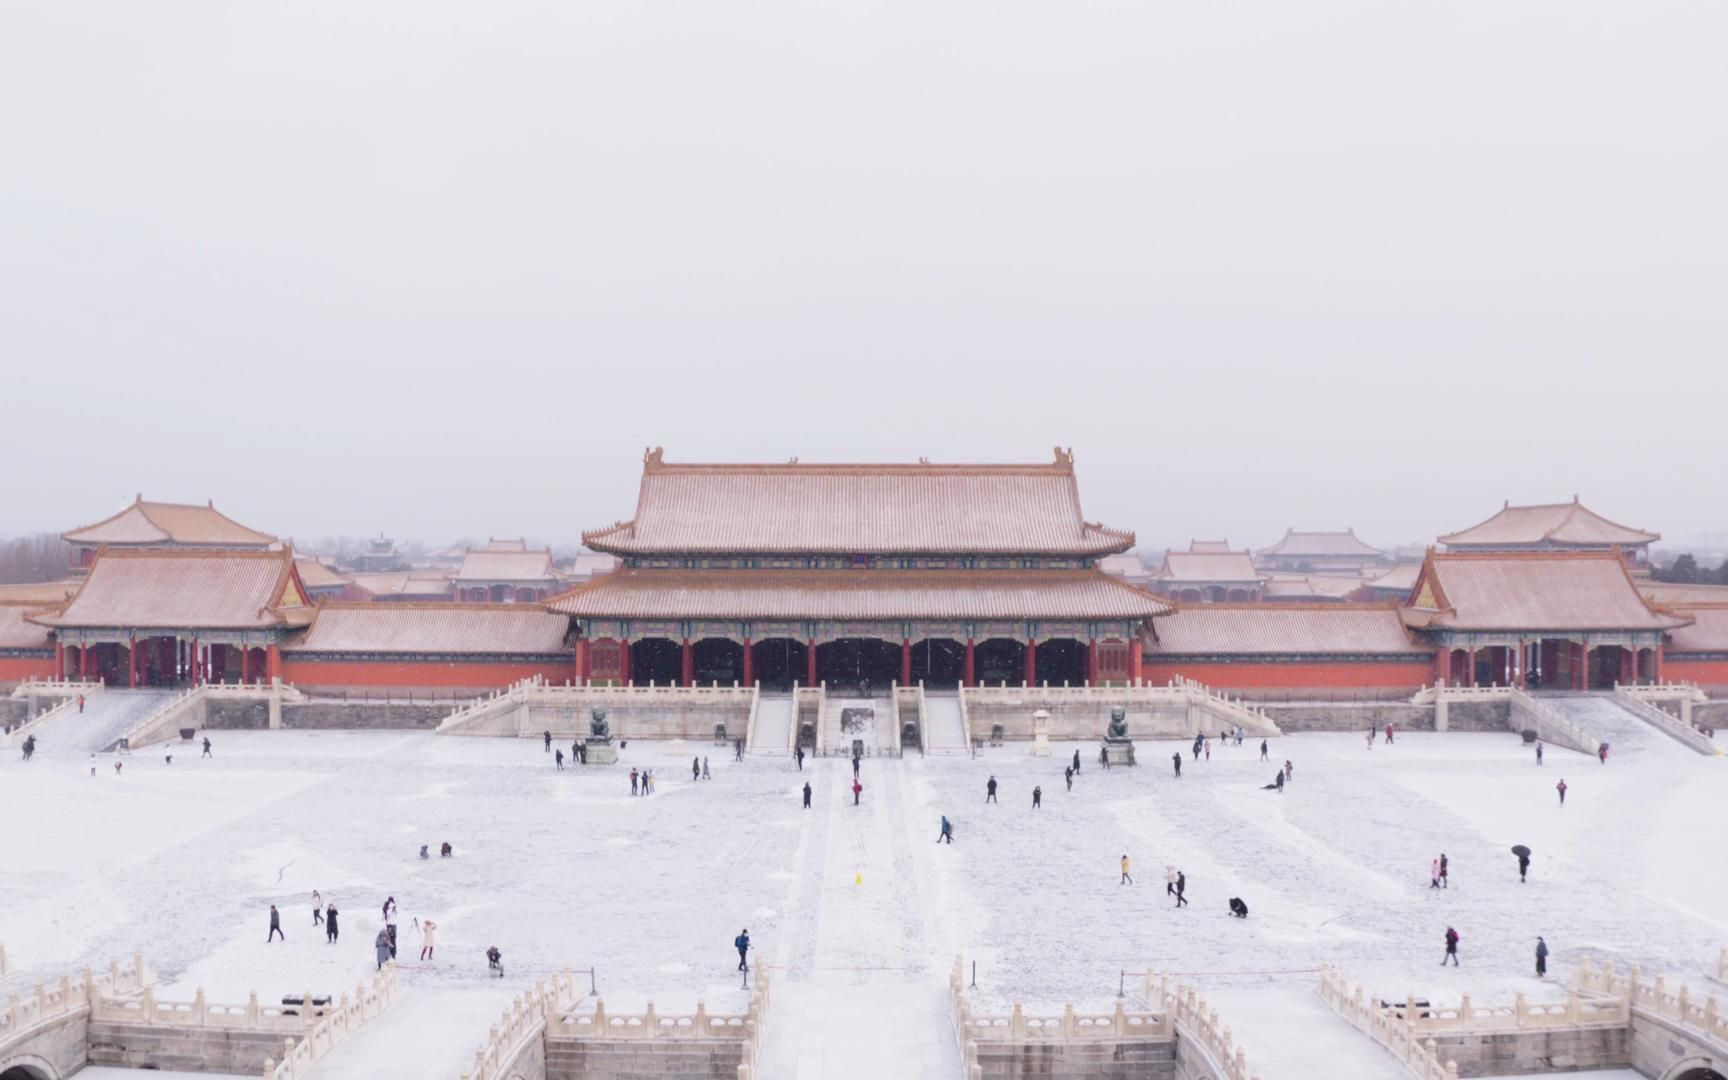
565,869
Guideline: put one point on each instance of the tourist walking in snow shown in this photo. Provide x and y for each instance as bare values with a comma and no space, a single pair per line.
945,834
632,781
1169,879
1176,760
1523,866
382,949
1278,782
548,736
275,926
742,944
390,923
1126,880
1538,753
331,931
806,794
1076,763
1262,749
206,752
1434,874
428,939
80,703
1451,948
494,960
446,851
990,790
1370,738
1068,778
559,758
1541,957
1561,788
1199,741
1388,734
857,790
695,768
1181,887
1289,770
1602,753
798,756
1208,745
856,761
1037,797
706,775
1443,870
738,750
317,909
29,746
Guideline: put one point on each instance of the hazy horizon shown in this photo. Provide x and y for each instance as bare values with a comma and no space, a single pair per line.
438,270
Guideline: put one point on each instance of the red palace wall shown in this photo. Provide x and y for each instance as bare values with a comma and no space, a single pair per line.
19,668
1709,674
1294,674
468,675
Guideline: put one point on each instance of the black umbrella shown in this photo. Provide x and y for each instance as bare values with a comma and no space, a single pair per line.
1520,849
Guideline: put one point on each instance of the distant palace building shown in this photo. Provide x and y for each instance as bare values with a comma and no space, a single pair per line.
1208,571
164,525
854,574
1553,527
1322,552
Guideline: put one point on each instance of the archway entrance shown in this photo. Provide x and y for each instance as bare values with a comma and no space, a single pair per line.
858,664
1061,660
1702,1072
656,660
1000,660
718,660
780,662
24,1072
938,662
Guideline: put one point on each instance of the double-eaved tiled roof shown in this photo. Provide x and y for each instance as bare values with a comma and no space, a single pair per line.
1534,591
147,524
433,628
1285,629
792,509
489,565
859,595
1562,524
167,589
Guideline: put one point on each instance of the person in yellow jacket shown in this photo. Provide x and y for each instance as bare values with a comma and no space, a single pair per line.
1126,880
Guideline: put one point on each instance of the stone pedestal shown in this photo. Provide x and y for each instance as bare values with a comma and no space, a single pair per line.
602,752
1119,751
1041,733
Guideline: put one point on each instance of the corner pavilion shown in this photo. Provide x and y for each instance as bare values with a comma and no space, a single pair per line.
857,575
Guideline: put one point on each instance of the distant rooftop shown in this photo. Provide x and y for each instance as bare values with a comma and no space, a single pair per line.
1569,524
147,524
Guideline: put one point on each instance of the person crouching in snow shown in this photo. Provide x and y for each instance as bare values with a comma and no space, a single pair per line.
1238,908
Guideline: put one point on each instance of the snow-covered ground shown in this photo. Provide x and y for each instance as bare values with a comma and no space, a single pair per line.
858,904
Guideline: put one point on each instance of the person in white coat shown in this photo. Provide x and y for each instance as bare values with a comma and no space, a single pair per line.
428,938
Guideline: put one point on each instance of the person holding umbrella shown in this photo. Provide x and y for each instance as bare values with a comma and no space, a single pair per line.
1523,854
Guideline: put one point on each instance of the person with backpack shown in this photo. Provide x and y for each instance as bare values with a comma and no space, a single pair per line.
742,944
1451,948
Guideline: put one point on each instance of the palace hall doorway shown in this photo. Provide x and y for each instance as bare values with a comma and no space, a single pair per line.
856,664
938,662
1061,661
656,660
780,662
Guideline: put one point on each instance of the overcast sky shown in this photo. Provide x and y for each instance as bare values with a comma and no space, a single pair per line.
441,270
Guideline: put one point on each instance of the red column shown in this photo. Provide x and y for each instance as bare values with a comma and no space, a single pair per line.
582,661
749,664
84,662
272,662
969,673
1470,673
59,659
624,661
1656,655
810,661
688,671
1582,680
132,663
1523,665
194,664
245,665
1031,663
1136,657
905,661
1091,661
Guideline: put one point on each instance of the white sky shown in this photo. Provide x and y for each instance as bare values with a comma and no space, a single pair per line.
444,269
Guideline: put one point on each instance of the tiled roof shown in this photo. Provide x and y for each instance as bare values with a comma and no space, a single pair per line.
1708,632
1557,523
1209,547
487,565
1671,594
40,593
1211,629
1310,587
315,575
859,509
1533,591
179,590
1320,545
17,633
1233,566
859,595
1124,566
589,564
433,628
145,523
1401,578
404,582
495,544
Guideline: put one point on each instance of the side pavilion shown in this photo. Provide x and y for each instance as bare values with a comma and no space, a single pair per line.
859,574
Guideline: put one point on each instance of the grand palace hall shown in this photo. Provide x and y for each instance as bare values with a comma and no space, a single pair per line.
871,575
